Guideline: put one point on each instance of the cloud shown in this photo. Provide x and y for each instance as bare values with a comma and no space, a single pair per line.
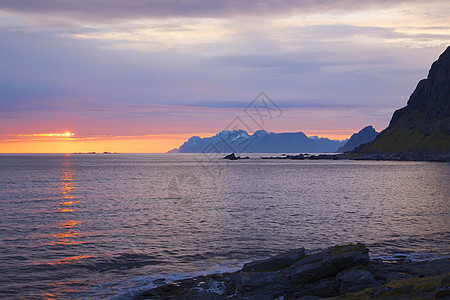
51,73
122,67
101,10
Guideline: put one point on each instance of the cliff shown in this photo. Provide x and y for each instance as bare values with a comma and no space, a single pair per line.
423,126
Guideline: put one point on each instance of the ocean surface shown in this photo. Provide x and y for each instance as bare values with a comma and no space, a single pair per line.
112,225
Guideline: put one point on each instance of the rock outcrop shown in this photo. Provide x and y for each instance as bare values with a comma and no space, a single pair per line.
233,156
423,126
334,272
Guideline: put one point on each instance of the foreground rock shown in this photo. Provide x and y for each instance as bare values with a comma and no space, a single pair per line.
334,272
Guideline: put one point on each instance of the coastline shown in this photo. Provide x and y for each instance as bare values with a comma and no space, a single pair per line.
340,271
379,156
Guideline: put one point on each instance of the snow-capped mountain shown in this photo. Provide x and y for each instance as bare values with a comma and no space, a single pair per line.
239,141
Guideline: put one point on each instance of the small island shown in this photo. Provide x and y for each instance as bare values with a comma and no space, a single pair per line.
232,156
94,153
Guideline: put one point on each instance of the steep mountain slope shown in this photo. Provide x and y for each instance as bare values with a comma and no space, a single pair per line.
424,124
365,135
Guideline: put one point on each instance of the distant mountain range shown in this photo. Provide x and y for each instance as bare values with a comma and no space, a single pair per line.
365,135
239,141
421,130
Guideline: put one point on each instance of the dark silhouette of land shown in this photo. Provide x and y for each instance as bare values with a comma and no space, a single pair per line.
364,136
421,129
239,141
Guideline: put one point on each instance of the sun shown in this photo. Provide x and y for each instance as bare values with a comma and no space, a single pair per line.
66,134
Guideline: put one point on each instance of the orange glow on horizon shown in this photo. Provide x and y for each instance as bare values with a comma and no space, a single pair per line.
158,143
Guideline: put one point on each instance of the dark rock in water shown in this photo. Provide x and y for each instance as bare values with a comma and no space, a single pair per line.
333,272
306,156
232,156
284,156
408,155
300,156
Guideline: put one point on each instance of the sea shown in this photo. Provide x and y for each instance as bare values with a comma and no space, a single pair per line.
114,225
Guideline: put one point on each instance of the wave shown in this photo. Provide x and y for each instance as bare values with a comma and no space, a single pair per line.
122,261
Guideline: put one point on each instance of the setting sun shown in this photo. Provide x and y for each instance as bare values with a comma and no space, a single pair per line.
65,134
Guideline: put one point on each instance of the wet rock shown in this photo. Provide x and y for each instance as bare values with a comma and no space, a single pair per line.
305,273
198,294
253,280
378,291
443,293
275,263
407,289
272,291
328,263
354,280
446,280
427,293
324,288
333,272
258,296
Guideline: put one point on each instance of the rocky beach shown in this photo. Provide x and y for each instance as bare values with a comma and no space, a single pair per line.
339,272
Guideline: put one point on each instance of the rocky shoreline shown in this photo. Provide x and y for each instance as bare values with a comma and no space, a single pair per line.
394,156
339,272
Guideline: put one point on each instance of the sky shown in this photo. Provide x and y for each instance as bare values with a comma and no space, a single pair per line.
136,76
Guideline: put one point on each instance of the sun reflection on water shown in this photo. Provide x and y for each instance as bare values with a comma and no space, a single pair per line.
69,260
68,235
68,224
68,204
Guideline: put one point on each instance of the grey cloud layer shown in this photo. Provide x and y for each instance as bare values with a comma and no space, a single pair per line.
101,10
322,65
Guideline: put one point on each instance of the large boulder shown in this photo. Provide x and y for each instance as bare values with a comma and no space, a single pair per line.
266,272
275,263
248,281
328,263
354,280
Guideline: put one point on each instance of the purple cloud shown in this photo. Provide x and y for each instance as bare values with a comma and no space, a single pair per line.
98,10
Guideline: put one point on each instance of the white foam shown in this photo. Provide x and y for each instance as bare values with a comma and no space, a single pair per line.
130,287
416,256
